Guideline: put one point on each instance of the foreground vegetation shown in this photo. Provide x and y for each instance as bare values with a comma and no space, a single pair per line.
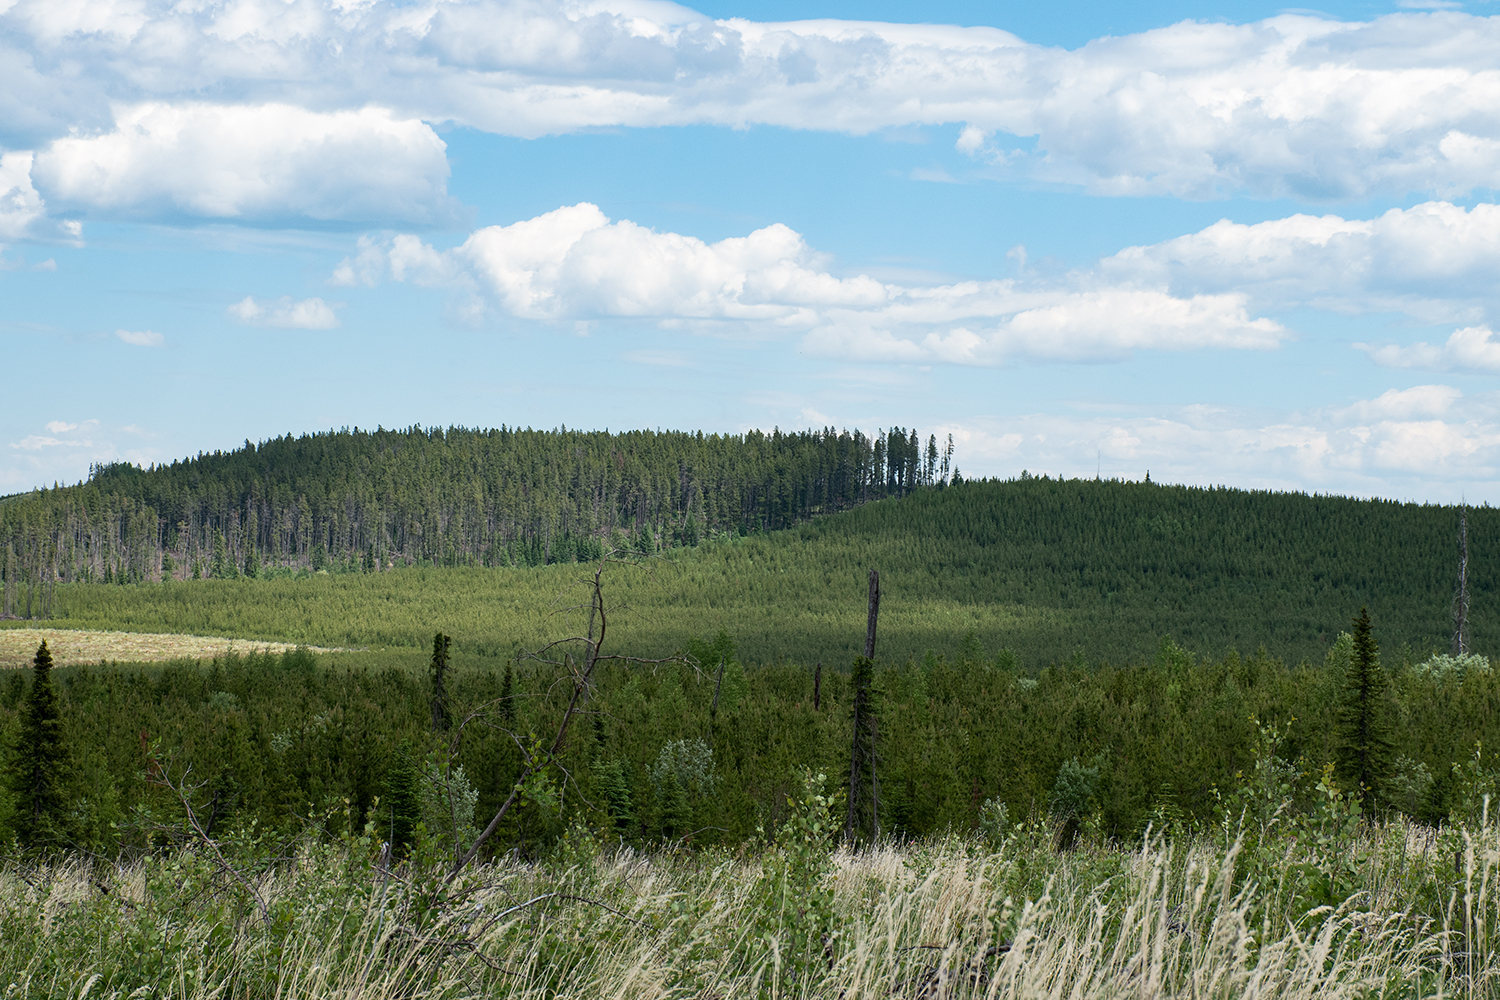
1050,570
674,748
1320,908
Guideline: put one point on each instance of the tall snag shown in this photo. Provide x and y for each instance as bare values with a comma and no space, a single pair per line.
1461,598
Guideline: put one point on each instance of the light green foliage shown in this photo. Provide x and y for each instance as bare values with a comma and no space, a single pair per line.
994,823
1473,784
1340,654
448,801
1265,795
800,928
1076,789
1441,665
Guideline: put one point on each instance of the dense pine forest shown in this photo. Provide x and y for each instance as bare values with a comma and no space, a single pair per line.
453,497
1051,570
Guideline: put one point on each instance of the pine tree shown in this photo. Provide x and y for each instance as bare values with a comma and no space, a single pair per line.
439,670
1365,745
40,761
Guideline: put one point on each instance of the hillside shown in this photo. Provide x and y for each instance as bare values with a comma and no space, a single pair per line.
1049,570
353,499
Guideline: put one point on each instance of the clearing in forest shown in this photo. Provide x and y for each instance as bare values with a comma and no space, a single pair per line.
72,646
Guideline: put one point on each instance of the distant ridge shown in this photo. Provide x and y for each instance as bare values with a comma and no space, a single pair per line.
352,499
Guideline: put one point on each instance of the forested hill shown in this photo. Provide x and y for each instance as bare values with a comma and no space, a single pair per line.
1108,568
1050,570
447,497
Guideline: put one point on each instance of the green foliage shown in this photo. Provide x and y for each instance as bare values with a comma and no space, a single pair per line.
804,935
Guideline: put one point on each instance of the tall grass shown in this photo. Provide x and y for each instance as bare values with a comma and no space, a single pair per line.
1187,917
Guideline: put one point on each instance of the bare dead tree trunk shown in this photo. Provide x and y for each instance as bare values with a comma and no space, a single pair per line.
874,615
713,711
1461,599
817,685
582,682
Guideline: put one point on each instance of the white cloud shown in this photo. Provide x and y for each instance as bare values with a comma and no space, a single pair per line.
306,314
141,338
1428,441
1474,348
20,205
1294,105
265,161
1436,262
63,454
575,264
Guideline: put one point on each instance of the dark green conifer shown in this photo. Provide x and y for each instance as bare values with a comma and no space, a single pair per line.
402,806
508,695
40,763
439,670
1365,745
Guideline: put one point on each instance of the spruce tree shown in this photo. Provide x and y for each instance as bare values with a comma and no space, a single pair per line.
1365,746
40,761
402,805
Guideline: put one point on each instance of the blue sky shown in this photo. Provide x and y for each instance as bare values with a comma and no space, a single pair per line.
1227,243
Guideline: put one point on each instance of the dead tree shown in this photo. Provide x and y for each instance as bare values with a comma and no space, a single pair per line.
579,676
1461,599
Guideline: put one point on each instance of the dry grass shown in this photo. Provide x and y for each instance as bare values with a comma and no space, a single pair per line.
72,646
1170,926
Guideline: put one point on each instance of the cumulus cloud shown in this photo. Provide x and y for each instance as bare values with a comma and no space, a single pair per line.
1436,262
1473,349
575,264
250,162
1401,444
1291,106
141,338
306,314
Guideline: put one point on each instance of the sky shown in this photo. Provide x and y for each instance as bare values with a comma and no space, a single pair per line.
1222,243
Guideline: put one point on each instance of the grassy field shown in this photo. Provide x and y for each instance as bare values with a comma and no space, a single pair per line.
73,646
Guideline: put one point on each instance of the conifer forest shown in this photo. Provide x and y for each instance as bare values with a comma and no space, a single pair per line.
630,714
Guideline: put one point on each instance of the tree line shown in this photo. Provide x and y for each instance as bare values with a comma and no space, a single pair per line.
354,499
